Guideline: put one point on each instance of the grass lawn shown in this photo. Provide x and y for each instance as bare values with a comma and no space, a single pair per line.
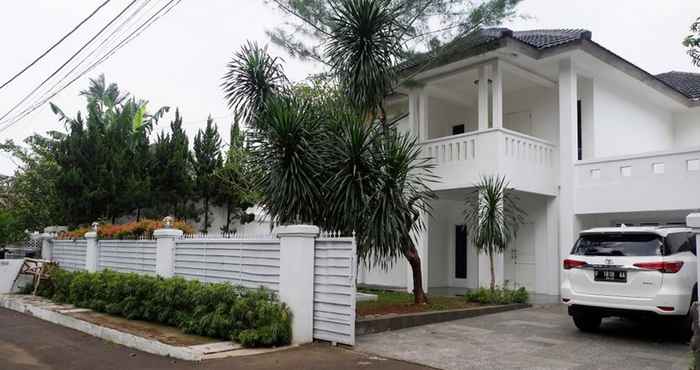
391,302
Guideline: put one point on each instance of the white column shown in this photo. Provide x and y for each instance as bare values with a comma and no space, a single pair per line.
693,220
91,252
413,111
567,156
423,115
46,246
296,289
165,251
497,94
483,98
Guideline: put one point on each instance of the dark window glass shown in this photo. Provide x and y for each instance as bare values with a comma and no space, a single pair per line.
622,244
457,129
680,242
460,252
579,139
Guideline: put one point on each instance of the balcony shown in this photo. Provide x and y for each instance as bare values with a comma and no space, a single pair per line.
529,163
660,181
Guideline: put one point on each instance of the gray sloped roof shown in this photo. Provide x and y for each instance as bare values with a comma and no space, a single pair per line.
687,83
483,41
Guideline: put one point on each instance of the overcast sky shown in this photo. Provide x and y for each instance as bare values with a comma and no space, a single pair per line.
179,61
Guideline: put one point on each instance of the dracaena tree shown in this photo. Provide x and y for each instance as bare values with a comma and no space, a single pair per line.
692,42
492,217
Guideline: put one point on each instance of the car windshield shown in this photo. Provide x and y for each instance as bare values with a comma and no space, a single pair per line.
622,244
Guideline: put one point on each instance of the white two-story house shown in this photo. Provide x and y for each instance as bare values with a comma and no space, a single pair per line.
585,137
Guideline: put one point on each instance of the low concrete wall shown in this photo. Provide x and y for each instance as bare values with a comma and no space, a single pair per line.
380,324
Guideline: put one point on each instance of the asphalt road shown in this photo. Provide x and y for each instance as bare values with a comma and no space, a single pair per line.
28,343
542,337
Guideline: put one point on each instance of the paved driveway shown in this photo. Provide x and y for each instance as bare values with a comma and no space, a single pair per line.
27,343
537,338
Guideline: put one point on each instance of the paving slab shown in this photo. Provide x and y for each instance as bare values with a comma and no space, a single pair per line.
542,337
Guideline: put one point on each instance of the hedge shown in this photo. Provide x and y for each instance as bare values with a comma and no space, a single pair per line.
131,230
253,318
499,295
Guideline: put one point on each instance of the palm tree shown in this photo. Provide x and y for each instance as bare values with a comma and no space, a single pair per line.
492,217
253,76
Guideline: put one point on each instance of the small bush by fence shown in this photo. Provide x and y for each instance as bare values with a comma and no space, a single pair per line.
254,318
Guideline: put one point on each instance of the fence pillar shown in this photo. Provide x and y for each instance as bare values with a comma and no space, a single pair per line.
46,246
91,252
165,251
296,289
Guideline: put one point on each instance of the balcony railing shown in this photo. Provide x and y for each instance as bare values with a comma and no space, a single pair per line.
527,162
657,181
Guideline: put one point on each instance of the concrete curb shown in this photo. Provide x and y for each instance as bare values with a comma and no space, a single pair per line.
51,312
380,324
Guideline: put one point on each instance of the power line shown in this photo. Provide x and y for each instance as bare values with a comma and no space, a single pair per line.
54,45
69,60
99,47
161,12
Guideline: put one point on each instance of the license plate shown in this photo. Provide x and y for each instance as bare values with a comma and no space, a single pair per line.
615,276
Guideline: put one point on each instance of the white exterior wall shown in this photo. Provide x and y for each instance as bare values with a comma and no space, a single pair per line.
444,114
626,125
686,130
540,104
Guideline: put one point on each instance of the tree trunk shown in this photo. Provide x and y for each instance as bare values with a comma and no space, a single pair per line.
206,215
228,217
493,272
414,260
138,214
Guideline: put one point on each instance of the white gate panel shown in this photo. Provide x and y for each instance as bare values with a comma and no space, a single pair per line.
334,290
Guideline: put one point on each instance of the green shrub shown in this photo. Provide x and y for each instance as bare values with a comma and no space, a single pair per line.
253,318
500,295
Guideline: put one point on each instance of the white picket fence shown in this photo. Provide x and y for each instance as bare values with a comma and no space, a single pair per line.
127,256
247,261
70,254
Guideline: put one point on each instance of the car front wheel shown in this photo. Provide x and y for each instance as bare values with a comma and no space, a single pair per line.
587,322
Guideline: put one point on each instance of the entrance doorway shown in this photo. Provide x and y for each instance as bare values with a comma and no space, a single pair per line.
460,258
520,260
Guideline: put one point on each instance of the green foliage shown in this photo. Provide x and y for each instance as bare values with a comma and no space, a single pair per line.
104,158
172,173
492,216
498,295
31,195
692,42
253,76
10,228
424,24
254,318
207,161
235,180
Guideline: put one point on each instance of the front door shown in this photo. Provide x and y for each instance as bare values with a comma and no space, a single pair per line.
459,260
520,259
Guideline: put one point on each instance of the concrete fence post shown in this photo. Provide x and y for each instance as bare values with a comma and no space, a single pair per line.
296,289
91,251
46,246
165,251
693,221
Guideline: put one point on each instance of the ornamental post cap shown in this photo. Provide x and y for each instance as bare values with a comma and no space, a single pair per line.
168,221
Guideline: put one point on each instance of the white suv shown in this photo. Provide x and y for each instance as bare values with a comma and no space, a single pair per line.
630,271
